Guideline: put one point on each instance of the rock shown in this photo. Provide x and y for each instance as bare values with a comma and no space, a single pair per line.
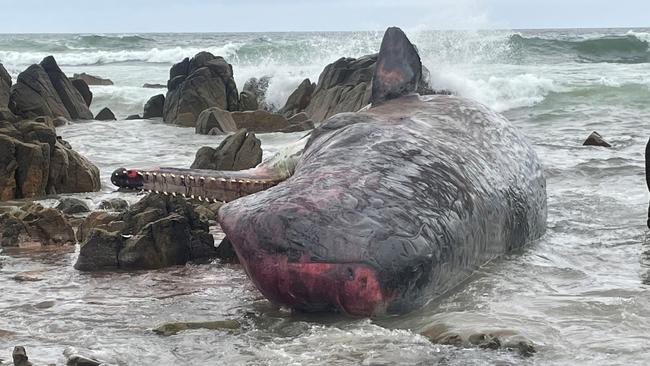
71,206
495,340
77,360
59,121
259,121
92,80
170,329
105,115
20,357
34,95
154,86
7,115
226,252
99,251
195,85
70,172
13,231
299,99
595,139
84,90
215,119
100,220
47,225
70,96
154,107
29,276
133,117
254,94
114,204
236,152
5,86
299,122
8,166
32,170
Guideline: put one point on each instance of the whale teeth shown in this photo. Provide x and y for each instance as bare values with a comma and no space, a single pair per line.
190,177
150,191
139,174
165,193
174,194
146,174
200,199
192,196
184,195
213,179
182,177
233,181
222,180
157,192
202,178
163,175
154,174
172,175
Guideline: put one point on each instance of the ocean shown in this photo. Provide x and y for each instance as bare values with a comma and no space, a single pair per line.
581,294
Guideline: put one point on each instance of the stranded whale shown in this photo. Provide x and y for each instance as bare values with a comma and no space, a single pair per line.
383,210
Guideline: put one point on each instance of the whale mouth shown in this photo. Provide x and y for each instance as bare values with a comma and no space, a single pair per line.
350,288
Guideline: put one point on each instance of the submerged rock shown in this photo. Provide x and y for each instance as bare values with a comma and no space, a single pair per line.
495,340
19,356
154,86
114,204
72,206
595,139
92,80
170,329
154,107
133,117
77,360
105,115
239,151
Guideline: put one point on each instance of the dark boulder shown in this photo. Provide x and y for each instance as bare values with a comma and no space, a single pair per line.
71,206
70,172
154,107
259,121
19,356
215,121
114,204
59,121
5,86
299,99
226,252
195,85
133,117
298,123
84,90
35,224
92,80
105,115
595,139
154,86
34,95
237,152
106,221
99,251
72,99
253,95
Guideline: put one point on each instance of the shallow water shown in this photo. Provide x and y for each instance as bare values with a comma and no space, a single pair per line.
581,293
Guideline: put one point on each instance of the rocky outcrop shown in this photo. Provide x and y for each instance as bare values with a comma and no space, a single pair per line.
259,121
299,122
92,80
84,90
34,95
154,86
253,95
299,99
114,204
106,114
159,231
35,162
595,139
68,93
215,121
35,225
107,221
154,107
197,84
72,206
5,87
132,117
237,152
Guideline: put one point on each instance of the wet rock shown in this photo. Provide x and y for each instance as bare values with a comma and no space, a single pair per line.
19,356
72,99
259,121
34,95
226,252
299,122
29,276
114,204
495,340
299,99
215,121
105,115
59,121
195,85
12,231
239,151
99,220
77,360
5,86
154,86
253,96
133,117
154,107
170,329
92,80
595,139
46,225
72,206
100,251
84,90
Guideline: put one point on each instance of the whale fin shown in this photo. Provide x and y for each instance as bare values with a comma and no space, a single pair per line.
398,70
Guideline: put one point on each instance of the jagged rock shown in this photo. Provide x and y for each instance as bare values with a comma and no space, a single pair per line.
259,121
70,172
13,231
154,86
299,99
114,204
154,107
253,95
92,80
59,121
84,90
236,152
247,101
226,252
19,356
215,121
595,139
170,329
5,86
132,117
105,115
195,85
77,360
299,122
35,224
34,95
99,251
100,220
72,99
71,206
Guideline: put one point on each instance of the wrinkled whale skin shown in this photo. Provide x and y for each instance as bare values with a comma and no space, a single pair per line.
390,208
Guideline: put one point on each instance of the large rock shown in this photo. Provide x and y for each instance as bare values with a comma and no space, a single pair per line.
259,121
215,121
72,99
72,206
5,86
106,114
595,139
106,221
195,85
159,231
237,152
92,80
154,107
34,95
84,90
35,224
253,95
299,99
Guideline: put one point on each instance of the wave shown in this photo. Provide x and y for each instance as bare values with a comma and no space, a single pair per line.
98,41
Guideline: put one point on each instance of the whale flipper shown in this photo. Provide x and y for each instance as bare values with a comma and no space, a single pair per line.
398,70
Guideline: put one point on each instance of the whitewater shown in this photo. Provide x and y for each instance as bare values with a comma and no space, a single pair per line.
581,294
